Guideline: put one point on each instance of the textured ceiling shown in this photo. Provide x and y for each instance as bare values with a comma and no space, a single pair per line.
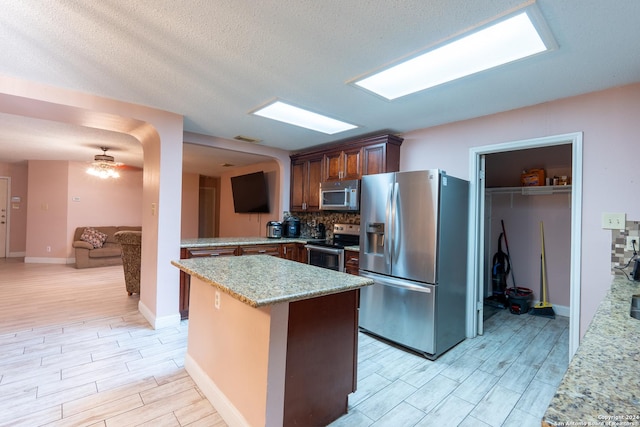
214,61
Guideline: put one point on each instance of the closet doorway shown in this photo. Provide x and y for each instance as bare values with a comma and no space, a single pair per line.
496,196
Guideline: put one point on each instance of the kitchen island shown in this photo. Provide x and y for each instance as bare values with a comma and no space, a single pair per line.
272,342
600,386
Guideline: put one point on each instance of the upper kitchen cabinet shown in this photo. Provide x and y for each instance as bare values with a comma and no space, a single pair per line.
343,164
306,174
340,161
381,157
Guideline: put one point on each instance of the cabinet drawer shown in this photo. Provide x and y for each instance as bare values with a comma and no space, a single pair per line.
208,252
260,250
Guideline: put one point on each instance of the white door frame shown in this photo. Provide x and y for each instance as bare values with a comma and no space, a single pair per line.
475,278
6,219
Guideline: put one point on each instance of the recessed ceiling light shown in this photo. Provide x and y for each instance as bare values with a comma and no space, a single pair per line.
287,113
515,37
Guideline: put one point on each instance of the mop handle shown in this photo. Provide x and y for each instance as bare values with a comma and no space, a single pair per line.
544,270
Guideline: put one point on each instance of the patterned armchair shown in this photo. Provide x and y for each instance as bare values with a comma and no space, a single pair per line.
131,242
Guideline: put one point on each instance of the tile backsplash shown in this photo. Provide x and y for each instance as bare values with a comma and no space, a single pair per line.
619,256
307,219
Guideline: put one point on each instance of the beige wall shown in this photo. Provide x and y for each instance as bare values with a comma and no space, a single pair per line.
241,225
610,126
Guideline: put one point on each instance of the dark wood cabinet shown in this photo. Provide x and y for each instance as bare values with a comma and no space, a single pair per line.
340,161
294,252
306,174
352,262
342,165
380,158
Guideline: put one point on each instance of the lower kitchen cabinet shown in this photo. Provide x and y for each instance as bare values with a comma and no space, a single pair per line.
352,262
294,252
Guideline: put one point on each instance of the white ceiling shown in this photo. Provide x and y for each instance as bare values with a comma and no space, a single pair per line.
215,61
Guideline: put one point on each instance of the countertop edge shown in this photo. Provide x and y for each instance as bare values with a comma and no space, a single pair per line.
292,297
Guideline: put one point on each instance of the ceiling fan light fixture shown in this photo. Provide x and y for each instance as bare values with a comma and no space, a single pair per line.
104,166
511,38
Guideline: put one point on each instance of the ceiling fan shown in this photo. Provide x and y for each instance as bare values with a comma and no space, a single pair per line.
104,166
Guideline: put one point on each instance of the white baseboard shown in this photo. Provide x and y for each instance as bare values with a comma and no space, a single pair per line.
16,254
158,322
560,310
216,397
44,260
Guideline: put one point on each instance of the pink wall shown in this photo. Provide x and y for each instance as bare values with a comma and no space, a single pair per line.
47,210
93,201
18,172
190,200
610,126
241,225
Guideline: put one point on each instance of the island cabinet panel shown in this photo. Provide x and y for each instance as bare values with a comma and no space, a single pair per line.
322,357
352,262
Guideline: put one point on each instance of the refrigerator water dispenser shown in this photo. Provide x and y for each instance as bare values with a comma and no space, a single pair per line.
374,243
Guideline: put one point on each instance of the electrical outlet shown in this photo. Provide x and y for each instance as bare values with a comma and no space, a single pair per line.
613,221
216,300
629,244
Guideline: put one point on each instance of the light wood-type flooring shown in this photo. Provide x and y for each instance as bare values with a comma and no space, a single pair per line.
75,351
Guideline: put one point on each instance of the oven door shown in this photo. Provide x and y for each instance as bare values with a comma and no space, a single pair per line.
325,257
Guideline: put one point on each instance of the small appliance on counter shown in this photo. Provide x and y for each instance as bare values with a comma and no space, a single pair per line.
291,227
274,229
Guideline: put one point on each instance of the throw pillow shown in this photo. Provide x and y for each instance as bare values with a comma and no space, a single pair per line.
93,236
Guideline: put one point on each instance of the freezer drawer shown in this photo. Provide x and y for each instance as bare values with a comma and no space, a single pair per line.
399,311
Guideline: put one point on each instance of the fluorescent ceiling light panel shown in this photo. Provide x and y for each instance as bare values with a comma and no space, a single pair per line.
299,117
506,41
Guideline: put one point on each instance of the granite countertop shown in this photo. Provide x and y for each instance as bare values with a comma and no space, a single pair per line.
260,280
600,386
237,241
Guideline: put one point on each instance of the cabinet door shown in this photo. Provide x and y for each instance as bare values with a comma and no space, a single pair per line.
332,166
352,262
380,158
273,250
294,252
299,178
351,168
342,165
313,193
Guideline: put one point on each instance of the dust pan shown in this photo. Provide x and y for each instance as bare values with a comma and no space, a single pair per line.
543,308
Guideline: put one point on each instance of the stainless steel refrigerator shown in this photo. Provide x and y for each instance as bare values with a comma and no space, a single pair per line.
413,244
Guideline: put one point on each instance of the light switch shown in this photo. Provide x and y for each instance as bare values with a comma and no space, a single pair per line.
613,221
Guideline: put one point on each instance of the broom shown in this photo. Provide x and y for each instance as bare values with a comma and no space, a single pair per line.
543,308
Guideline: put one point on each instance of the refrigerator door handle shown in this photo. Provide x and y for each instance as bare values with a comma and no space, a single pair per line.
397,283
387,223
396,222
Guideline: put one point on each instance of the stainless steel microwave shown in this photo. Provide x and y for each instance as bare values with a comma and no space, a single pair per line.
340,195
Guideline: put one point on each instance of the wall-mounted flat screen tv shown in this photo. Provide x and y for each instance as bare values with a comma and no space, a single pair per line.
250,193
